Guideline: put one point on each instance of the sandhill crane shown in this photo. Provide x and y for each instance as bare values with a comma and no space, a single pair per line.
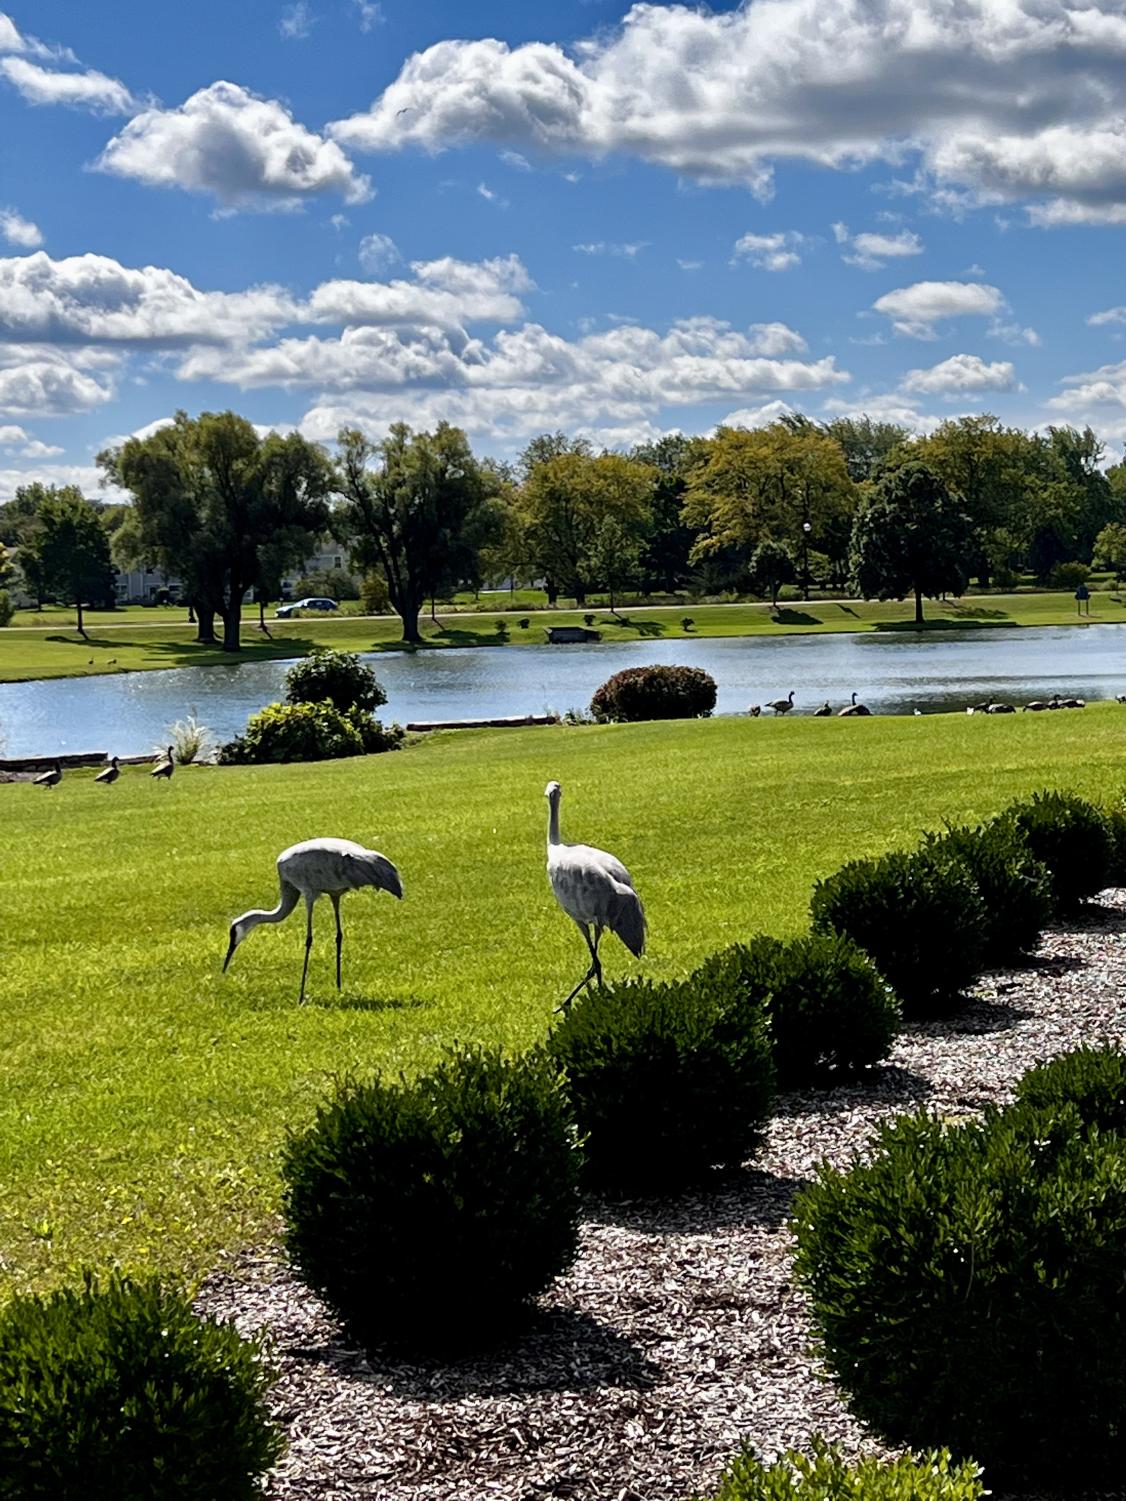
825,709
319,867
782,705
595,890
163,769
853,710
111,773
50,778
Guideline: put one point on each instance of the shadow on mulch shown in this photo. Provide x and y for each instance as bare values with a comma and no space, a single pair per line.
1093,915
885,1084
978,1018
725,1201
1048,964
560,1349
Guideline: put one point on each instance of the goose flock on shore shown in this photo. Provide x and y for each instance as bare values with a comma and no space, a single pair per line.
988,706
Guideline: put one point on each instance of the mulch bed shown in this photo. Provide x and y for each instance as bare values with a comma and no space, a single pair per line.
678,1334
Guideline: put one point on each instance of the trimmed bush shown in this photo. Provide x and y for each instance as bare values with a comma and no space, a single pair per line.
1092,1080
429,1213
1116,828
119,1392
338,677
308,732
919,917
826,1475
967,1282
7,608
667,1081
1070,836
639,693
830,1012
1015,887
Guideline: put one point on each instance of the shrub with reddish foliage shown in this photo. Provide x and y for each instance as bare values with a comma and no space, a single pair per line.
655,693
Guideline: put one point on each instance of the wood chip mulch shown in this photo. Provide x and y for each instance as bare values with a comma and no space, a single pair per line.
678,1334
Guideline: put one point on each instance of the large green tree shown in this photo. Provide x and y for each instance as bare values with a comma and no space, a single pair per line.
420,508
665,558
866,443
911,536
68,550
221,506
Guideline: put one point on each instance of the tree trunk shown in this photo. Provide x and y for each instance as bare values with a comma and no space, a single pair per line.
81,627
408,614
918,606
551,591
580,596
191,612
205,625
232,619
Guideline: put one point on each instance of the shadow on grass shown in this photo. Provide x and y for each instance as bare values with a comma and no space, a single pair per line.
346,1002
785,616
460,636
558,1349
729,1199
944,625
885,1084
978,612
642,627
848,610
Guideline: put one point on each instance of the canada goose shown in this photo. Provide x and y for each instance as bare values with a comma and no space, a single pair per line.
164,769
1036,705
754,710
782,705
1120,698
1056,702
854,709
111,773
1073,703
1000,709
824,710
50,778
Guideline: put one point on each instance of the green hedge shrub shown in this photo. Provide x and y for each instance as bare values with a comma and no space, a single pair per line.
336,676
429,1213
667,1081
1015,887
830,1012
1116,827
826,1475
1093,1080
919,917
119,1392
308,732
1070,836
968,1285
639,693
7,608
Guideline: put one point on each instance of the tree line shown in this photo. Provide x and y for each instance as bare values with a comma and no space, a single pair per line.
855,505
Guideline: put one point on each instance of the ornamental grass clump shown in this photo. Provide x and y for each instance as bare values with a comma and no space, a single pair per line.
118,1391
966,1280
640,693
1015,886
430,1213
1071,837
919,917
830,1012
667,1081
825,1474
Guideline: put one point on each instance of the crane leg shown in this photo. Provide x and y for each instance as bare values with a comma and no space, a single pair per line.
594,972
308,946
339,936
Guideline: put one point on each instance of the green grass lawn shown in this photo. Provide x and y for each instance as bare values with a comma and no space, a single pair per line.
143,1095
144,639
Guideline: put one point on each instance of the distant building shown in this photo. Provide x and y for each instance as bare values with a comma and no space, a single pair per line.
139,586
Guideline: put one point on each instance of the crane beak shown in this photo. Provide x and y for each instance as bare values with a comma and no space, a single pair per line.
230,952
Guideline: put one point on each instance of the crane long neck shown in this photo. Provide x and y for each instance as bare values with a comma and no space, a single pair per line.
553,821
286,903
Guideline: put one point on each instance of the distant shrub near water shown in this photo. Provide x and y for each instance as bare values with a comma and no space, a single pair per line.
336,676
641,693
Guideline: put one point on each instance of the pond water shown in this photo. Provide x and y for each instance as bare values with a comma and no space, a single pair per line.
893,673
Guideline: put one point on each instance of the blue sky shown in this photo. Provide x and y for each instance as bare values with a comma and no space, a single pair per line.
517,217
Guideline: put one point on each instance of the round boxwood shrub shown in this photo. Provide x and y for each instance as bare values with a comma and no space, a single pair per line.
1092,1080
336,676
826,1475
1070,836
1015,887
118,1391
830,1012
919,917
655,693
967,1286
667,1081
429,1213
1116,828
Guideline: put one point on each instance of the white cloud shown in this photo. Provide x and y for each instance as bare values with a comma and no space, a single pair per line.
763,416
38,382
516,161
997,99
775,339
690,265
370,14
247,151
377,253
885,408
90,90
87,477
445,294
869,251
627,250
915,310
1104,387
19,231
771,252
490,196
296,22
960,373
18,441
1108,315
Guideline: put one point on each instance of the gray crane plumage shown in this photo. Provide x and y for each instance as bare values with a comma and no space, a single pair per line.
319,867
595,890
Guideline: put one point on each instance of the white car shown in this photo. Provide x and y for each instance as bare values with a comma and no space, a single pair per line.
285,611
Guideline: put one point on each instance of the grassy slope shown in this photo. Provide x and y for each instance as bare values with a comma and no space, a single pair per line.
142,641
143,1095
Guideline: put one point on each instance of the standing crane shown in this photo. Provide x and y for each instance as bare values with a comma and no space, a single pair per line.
163,769
50,778
111,773
319,867
595,890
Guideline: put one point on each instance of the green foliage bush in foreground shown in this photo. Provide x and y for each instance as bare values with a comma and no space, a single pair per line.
919,917
7,608
119,1392
667,1081
657,692
968,1281
1071,837
308,732
830,1012
1015,887
429,1213
826,1475
336,676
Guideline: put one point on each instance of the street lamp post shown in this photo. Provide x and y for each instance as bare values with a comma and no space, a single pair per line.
806,528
